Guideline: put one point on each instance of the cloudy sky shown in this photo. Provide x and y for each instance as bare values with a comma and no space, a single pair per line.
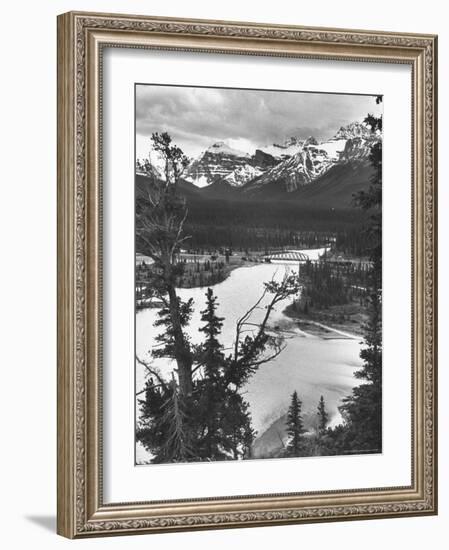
245,119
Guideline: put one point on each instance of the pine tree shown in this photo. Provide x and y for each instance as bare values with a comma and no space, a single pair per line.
295,427
177,445
362,410
323,417
213,390
166,340
212,349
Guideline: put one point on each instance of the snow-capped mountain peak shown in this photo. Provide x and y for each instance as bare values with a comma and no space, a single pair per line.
333,148
353,130
300,169
243,174
283,150
216,163
310,141
222,148
312,159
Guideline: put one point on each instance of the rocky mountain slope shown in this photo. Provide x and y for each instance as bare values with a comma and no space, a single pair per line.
313,159
219,162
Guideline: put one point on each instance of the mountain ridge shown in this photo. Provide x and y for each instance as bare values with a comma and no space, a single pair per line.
295,163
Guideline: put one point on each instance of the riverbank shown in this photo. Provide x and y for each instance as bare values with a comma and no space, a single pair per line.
194,270
197,275
340,321
194,276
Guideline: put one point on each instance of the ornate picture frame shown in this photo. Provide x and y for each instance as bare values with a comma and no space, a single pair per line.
82,38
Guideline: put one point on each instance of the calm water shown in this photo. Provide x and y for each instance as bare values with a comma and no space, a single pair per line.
309,364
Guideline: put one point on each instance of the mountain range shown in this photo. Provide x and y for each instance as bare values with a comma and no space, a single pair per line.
320,173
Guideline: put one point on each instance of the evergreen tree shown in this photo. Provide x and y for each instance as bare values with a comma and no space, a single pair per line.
166,339
213,390
295,427
237,434
176,446
362,410
323,417
164,425
212,349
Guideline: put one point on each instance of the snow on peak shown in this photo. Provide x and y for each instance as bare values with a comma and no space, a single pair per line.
333,147
310,141
300,169
243,174
216,163
222,148
200,181
293,140
280,151
353,130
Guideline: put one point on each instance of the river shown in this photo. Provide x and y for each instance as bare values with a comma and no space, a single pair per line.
309,364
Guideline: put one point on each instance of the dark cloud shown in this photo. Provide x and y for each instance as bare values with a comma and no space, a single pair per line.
196,117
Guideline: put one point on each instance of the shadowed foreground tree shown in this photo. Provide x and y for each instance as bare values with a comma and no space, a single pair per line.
200,413
362,410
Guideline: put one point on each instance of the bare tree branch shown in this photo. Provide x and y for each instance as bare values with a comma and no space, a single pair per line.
153,372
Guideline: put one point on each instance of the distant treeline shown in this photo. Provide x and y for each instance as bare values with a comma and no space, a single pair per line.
244,237
347,237
264,224
352,240
270,213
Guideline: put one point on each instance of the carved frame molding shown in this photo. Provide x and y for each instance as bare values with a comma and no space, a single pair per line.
81,38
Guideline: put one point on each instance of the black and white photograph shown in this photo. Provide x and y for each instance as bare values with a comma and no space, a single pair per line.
258,274
222,247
